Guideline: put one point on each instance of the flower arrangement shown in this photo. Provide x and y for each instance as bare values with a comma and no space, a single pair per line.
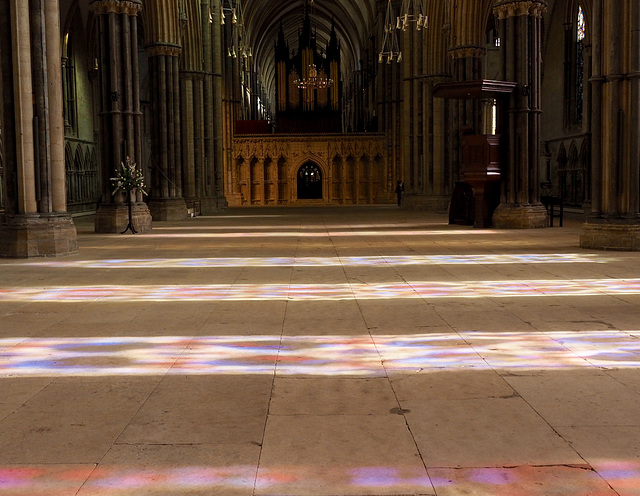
129,178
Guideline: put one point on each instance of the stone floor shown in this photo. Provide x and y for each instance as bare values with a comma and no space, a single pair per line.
336,351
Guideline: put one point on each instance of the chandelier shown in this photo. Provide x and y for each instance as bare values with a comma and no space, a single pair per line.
313,81
390,46
412,12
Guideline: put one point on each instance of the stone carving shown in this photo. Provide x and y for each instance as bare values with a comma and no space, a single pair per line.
510,8
352,167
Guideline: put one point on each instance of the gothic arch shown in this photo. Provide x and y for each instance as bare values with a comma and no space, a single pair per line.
562,157
298,163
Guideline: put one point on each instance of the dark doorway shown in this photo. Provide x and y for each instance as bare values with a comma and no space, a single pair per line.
309,182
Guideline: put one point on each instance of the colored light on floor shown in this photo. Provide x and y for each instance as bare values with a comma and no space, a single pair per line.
305,292
368,356
499,481
368,261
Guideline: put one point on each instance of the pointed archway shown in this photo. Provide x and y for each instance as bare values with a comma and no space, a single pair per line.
309,182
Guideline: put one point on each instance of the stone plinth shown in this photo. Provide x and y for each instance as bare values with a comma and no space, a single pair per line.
520,217
618,237
114,218
168,209
212,206
37,235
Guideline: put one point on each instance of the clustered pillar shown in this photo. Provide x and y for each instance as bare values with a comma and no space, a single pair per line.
167,202
201,121
521,23
120,113
614,220
35,221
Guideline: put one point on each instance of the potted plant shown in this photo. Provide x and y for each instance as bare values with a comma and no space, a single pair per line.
129,180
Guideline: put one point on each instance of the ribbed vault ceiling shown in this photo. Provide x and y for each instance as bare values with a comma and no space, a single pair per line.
353,20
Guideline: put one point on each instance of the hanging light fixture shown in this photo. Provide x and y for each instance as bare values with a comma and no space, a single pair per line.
233,10
390,47
412,12
313,80
228,9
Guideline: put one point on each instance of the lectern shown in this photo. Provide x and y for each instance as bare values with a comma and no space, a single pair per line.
477,193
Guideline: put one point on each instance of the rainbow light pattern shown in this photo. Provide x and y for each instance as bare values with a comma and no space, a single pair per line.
319,234
362,356
370,261
302,227
500,481
307,292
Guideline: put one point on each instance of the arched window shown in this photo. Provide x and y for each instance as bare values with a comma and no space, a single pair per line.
581,33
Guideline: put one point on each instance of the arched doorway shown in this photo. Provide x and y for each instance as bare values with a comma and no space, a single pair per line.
309,182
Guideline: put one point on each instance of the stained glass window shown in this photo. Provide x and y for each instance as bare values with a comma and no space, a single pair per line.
581,25
581,33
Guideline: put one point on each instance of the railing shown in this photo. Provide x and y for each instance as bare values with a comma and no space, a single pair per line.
83,179
568,169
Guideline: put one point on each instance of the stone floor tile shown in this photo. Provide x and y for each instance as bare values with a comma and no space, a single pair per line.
17,391
578,398
434,385
629,377
614,452
175,470
520,481
211,409
331,396
401,317
309,318
43,480
74,420
340,454
486,432
254,317
23,322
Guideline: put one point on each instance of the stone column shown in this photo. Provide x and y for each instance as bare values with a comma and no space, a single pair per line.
521,23
120,113
426,132
167,202
227,87
164,23
614,220
35,221
215,139
389,98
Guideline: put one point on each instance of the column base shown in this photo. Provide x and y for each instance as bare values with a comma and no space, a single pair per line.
37,235
113,218
510,216
212,206
163,209
618,237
